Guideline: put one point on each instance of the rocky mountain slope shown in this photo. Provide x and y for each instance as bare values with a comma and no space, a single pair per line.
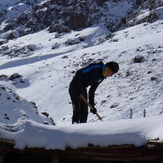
23,17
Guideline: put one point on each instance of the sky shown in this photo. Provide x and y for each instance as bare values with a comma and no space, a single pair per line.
47,71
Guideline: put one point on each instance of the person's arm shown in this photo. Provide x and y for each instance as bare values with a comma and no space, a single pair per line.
78,77
92,93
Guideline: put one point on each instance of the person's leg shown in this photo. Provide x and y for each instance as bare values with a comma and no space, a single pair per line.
84,108
75,105
76,111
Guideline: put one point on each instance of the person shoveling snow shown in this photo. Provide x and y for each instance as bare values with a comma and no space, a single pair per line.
92,76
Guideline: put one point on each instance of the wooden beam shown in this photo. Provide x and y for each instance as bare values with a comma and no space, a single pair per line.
6,143
111,153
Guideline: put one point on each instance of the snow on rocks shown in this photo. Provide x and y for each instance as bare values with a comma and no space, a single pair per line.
14,108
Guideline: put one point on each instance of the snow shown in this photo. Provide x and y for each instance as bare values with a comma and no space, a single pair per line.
12,8
48,72
119,8
9,2
137,132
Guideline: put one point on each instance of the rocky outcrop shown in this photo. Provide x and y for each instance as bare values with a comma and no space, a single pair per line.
18,51
149,11
60,16
63,16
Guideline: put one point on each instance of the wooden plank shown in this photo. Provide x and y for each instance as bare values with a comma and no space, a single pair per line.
125,153
6,143
111,153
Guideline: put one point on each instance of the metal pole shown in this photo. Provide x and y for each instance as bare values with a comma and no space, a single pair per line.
144,113
130,113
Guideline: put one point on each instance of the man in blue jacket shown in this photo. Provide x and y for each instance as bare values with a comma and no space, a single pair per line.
92,76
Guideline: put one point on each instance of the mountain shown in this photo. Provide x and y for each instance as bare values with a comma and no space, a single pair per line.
23,17
45,56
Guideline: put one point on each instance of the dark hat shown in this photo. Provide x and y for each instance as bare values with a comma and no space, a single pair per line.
113,66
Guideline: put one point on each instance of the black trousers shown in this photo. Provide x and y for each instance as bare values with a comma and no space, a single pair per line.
80,108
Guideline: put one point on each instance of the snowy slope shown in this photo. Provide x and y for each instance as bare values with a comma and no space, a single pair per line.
137,86
11,8
50,66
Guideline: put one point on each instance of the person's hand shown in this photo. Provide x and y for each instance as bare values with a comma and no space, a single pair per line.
93,110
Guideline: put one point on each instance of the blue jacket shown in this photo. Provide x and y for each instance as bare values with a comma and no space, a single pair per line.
92,76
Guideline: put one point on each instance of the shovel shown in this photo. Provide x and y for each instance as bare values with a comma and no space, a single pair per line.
91,107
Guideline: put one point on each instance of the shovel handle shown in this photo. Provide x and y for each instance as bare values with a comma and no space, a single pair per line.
91,107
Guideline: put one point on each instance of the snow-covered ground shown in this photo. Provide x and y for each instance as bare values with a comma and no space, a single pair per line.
49,68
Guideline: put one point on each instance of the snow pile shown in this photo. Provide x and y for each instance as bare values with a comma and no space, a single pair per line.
32,134
14,108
